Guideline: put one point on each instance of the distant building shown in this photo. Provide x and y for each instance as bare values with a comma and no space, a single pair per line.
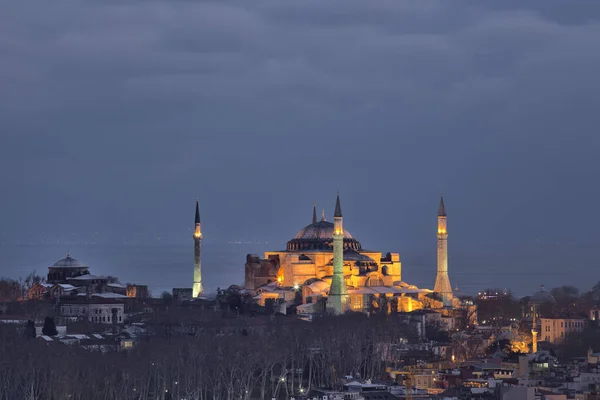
67,268
555,330
420,319
62,289
182,294
137,291
93,282
98,309
116,287
38,291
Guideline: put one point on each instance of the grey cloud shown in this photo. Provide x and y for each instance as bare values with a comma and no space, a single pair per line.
253,100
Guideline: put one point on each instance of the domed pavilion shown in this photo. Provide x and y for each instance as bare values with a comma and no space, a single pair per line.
66,268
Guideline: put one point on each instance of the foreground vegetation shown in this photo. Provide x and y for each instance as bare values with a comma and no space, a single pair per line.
264,360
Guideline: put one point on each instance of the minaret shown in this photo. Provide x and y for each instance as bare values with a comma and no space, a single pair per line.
534,332
338,293
314,213
197,288
442,281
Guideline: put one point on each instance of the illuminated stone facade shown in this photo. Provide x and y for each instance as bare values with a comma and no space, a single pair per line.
442,281
372,279
556,330
309,255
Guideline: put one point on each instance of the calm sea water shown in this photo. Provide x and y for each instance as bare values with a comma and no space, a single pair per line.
163,267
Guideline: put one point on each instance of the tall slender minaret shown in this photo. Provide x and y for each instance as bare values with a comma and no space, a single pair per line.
197,288
534,331
442,281
314,213
338,293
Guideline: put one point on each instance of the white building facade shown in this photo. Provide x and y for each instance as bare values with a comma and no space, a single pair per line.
97,311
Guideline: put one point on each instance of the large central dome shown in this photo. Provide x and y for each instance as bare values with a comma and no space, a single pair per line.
319,236
319,230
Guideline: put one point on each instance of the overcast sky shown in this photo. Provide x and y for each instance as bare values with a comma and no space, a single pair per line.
116,115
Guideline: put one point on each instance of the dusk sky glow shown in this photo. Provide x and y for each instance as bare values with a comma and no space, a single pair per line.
115,116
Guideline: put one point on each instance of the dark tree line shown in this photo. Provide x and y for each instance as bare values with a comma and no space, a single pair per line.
282,357
569,302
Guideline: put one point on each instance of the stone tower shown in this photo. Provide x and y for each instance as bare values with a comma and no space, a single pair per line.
442,281
338,293
197,288
534,332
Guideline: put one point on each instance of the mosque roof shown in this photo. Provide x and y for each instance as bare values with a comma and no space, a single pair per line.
88,277
318,236
353,255
69,262
318,286
542,297
319,230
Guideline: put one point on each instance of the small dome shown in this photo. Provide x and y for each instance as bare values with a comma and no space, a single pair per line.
317,285
542,297
69,262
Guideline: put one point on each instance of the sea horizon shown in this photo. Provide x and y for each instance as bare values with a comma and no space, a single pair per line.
162,267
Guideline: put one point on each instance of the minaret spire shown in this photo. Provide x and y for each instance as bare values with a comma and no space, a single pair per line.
442,207
197,287
337,301
323,215
314,213
442,281
197,219
338,208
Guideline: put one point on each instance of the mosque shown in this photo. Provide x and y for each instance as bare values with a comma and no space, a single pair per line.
323,260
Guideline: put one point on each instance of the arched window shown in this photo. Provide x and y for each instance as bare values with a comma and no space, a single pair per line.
374,281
